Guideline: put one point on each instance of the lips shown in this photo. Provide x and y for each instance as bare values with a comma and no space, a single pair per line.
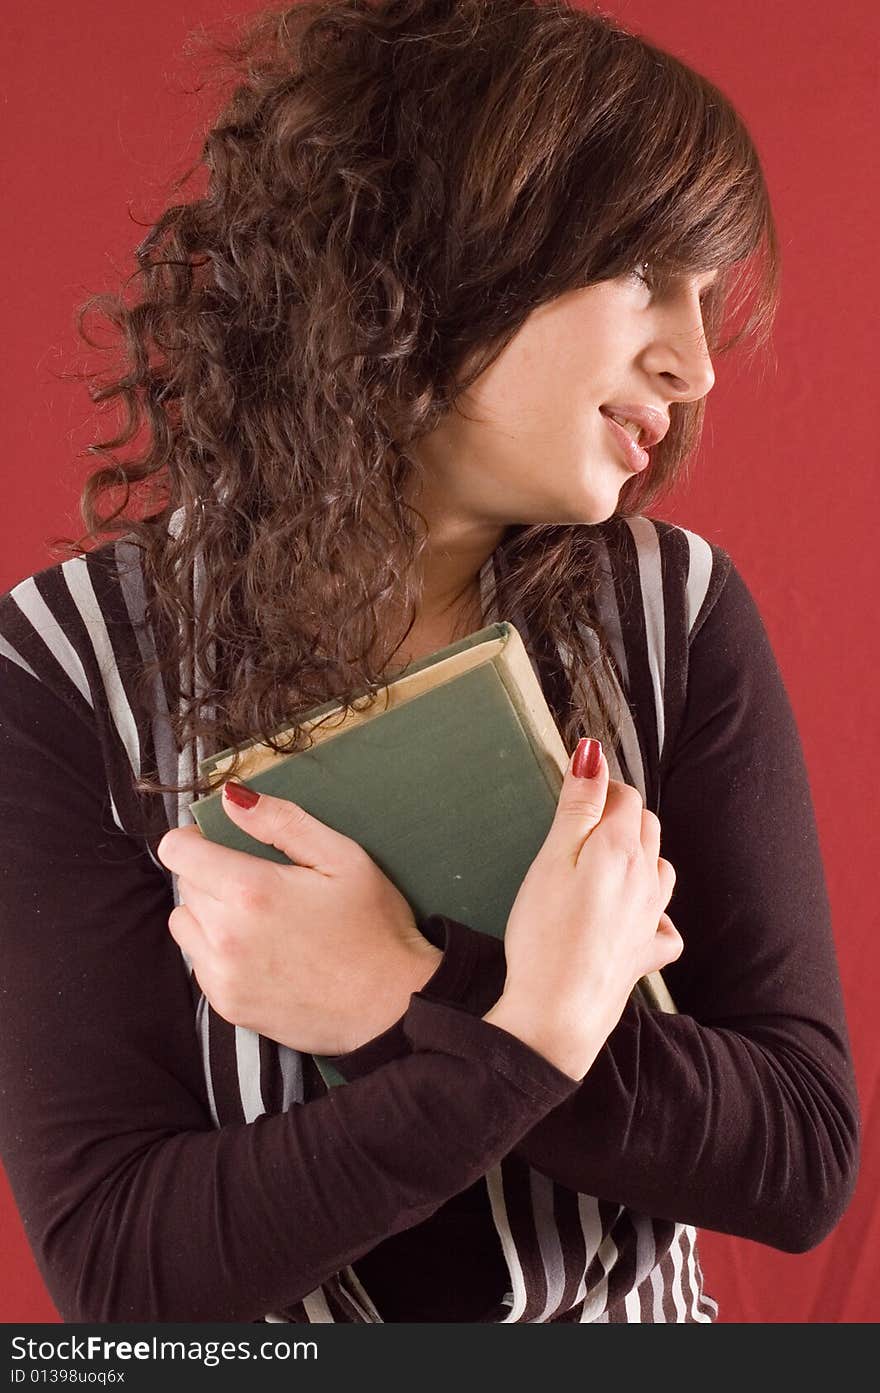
637,459
653,422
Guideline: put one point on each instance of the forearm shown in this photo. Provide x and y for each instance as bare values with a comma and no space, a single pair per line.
753,1135
749,1130
228,1225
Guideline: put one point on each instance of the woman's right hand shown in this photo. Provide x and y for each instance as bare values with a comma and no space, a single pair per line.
587,922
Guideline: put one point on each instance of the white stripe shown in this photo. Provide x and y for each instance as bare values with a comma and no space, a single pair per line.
699,573
591,1227
317,1309
34,608
689,1277
657,1288
9,652
155,860
184,774
293,1090
178,899
82,592
647,542
597,1299
79,583
632,753
646,1258
646,1246
202,1030
709,1301
131,581
354,1288
247,1060
677,1291
495,1187
693,1280
633,1306
548,1240
116,818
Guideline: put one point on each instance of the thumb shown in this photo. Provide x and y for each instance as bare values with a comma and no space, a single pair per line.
285,825
582,797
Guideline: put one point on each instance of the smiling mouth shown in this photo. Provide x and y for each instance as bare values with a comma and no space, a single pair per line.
636,457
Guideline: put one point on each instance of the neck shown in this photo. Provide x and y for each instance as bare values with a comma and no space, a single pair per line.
457,548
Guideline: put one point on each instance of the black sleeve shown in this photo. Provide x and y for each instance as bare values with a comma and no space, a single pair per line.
135,1206
740,1114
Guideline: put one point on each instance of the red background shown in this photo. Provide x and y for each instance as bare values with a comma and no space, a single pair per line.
97,121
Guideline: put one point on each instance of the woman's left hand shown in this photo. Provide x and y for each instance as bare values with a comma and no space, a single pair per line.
321,955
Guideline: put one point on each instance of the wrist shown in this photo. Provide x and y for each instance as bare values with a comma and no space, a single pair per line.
570,1049
411,971
424,960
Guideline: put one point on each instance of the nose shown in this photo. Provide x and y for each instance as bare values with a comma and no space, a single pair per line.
679,352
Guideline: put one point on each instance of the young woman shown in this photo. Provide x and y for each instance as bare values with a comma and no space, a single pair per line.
438,331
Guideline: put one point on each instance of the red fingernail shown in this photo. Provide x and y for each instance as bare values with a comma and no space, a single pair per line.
587,758
240,793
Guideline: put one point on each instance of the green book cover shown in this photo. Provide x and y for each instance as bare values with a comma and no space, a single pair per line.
451,790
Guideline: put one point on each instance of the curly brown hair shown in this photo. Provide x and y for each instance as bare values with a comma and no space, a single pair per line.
393,187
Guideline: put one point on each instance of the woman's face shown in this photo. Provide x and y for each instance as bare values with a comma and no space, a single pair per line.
528,442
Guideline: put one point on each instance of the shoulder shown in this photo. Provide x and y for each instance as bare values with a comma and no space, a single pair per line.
77,628
657,584
663,571
70,625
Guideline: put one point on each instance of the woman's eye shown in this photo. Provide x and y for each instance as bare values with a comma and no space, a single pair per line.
646,274
642,273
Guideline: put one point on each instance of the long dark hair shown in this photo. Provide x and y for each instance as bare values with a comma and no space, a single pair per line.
393,186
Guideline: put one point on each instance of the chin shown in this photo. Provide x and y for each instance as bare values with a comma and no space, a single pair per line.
597,510
585,511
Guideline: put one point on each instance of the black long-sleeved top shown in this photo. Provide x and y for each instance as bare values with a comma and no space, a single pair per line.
169,1166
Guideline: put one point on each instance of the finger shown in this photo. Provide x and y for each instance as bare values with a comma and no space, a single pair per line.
666,878
209,865
192,894
669,940
650,834
581,800
187,932
200,903
288,827
623,819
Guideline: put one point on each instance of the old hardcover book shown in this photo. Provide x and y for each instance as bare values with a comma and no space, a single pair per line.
450,782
